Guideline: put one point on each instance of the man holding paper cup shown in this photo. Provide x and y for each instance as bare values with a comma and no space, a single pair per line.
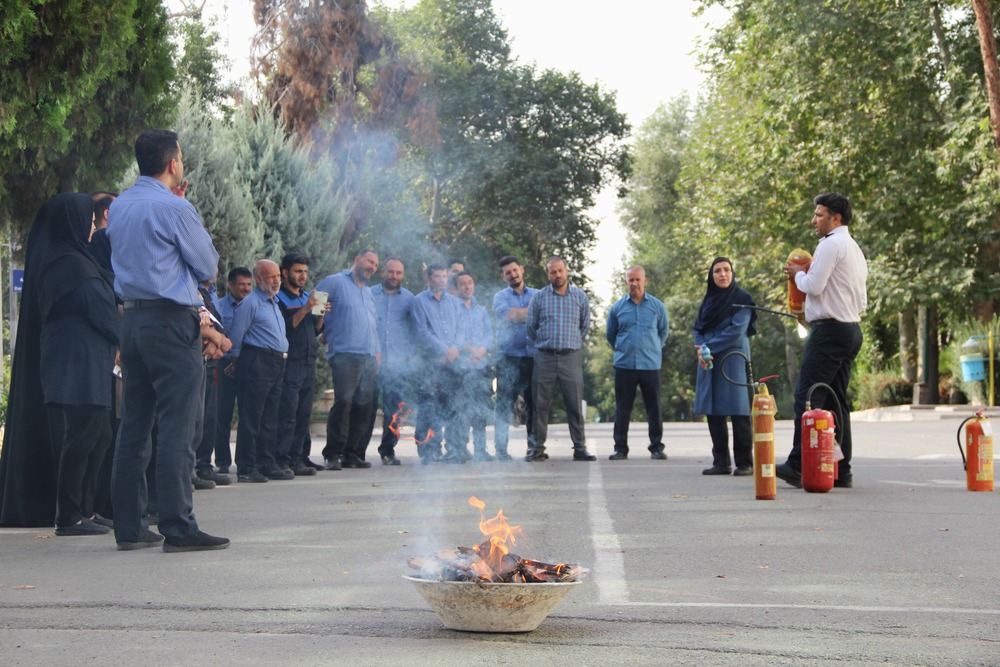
303,312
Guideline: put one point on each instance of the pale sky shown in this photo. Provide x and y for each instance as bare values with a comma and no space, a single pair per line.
642,49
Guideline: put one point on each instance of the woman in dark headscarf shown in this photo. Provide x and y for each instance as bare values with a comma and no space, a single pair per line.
722,328
58,430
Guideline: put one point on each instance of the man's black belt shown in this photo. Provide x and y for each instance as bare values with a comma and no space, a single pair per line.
129,304
267,351
560,352
830,320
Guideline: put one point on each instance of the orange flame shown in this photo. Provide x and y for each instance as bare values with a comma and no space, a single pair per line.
430,436
399,419
499,533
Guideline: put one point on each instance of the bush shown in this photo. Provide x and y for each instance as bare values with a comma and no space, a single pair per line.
877,390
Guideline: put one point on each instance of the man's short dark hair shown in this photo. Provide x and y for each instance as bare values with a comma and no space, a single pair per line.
154,149
293,258
456,260
555,258
508,259
240,272
393,258
102,202
836,203
454,278
431,268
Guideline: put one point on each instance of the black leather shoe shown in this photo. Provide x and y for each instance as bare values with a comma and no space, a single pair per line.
202,484
102,521
717,470
82,528
581,454
145,541
355,463
278,473
252,477
218,478
390,460
789,474
536,454
332,464
197,542
658,455
844,482
618,456
743,471
315,466
222,470
300,469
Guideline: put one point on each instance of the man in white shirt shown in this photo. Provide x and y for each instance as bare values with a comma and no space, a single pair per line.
834,284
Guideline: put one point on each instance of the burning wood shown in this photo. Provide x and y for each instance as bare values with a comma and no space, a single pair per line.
491,561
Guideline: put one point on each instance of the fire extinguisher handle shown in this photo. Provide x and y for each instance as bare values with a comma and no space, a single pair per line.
958,436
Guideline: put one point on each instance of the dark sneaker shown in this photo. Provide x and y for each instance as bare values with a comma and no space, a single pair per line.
222,470
332,464
252,477
278,473
201,484
581,454
717,470
315,466
536,454
102,521
390,460
743,471
145,541
197,542
618,456
789,474
82,528
300,469
658,455
844,482
355,463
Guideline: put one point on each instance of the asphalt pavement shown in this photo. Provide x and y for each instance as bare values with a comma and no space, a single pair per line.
685,569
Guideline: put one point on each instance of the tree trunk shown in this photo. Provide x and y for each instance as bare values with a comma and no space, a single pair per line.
925,392
908,344
988,49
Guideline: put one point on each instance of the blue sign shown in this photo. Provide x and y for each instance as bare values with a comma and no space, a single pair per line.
17,280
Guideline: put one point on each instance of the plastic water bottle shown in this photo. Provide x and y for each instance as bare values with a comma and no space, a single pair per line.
706,355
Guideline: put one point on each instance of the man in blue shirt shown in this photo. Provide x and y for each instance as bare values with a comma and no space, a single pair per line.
474,396
260,348
516,360
240,282
637,330
161,252
558,320
393,305
352,349
298,386
436,325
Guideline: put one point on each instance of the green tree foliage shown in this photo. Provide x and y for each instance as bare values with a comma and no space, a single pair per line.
522,153
78,81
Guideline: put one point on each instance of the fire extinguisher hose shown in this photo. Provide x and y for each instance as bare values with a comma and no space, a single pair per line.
958,435
749,369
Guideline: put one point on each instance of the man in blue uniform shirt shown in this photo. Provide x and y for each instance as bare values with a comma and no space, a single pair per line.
240,283
161,252
352,349
516,360
637,330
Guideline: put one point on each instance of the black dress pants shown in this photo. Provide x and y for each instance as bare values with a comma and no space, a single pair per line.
353,389
80,436
294,413
829,358
259,375
627,382
742,441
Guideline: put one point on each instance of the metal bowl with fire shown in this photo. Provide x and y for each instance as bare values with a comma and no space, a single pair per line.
486,587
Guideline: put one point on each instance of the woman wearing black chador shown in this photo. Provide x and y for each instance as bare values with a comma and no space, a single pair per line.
57,431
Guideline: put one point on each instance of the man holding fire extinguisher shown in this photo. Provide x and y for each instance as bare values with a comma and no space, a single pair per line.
834,284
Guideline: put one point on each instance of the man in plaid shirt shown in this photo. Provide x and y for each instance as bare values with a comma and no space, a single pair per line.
558,319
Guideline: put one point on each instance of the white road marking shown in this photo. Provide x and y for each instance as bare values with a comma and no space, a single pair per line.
833,607
609,564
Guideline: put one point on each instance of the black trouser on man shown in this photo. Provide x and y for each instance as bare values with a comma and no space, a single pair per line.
259,373
207,435
80,436
627,381
353,388
473,405
163,368
513,379
829,357
565,368
742,441
436,399
227,406
294,413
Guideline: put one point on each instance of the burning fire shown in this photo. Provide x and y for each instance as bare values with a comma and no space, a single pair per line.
492,561
430,436
399,419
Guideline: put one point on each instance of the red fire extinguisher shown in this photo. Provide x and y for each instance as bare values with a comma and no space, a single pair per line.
979,445
819,446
